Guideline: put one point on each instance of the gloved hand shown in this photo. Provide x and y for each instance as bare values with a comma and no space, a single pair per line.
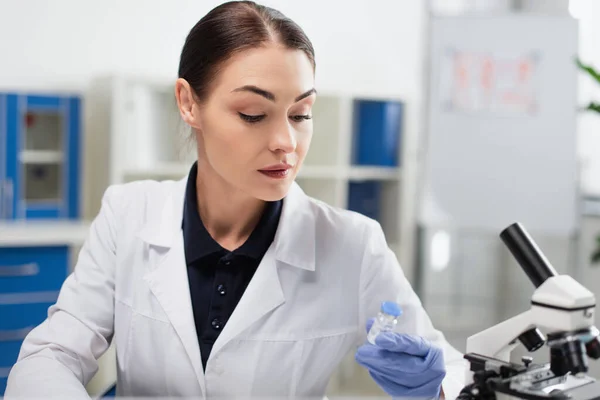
404,365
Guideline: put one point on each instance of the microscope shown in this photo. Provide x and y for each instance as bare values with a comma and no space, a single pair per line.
561,307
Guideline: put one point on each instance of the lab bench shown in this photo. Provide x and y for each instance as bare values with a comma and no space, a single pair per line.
35,259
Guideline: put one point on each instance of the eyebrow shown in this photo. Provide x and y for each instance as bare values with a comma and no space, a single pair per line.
270,96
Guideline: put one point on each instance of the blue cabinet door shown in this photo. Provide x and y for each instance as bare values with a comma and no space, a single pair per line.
43,157
3,213
30,280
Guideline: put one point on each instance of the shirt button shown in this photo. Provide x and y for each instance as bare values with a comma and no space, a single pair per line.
217,324
227,262
221,290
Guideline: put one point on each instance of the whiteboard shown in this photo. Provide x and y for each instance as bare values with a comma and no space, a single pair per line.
501,140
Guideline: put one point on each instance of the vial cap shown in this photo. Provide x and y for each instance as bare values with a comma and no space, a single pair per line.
391,308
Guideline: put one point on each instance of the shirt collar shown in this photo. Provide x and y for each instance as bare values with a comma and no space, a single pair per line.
197,241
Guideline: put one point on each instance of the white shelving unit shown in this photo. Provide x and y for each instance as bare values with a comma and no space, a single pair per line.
133,127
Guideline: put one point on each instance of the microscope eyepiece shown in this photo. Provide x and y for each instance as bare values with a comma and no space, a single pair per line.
527,254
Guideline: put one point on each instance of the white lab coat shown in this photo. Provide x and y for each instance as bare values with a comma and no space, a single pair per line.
325,274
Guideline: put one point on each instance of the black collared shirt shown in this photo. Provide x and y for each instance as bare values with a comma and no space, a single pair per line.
219,277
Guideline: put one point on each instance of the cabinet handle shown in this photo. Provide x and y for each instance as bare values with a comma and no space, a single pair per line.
30,269
21,298
15,334
8,197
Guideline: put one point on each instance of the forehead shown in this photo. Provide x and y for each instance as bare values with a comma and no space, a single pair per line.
271,67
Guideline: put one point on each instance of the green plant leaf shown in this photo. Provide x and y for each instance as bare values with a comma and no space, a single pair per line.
595,259
589,69
593,107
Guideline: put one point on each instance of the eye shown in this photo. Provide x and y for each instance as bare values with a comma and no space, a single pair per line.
300,118
251,118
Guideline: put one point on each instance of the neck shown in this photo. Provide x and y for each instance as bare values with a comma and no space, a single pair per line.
228,214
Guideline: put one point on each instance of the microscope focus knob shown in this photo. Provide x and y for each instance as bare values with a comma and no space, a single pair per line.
527,360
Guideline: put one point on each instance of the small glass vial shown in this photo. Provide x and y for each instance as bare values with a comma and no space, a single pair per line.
386,320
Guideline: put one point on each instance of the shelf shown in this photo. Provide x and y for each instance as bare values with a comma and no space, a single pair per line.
41,157
351,173
49,233
49,202
159,171
374,173
319,172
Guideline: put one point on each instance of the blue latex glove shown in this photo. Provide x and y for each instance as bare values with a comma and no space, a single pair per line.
404,365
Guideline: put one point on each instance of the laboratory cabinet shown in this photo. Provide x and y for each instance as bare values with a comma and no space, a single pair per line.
39,156
30,280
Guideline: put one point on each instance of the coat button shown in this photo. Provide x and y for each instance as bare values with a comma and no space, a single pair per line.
216,323
221,290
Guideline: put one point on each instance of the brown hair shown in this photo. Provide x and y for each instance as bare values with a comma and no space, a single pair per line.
230,28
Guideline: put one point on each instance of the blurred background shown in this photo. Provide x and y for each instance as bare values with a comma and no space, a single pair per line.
445,120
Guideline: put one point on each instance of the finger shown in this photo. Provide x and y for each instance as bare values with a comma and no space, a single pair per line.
390,363
411,374
394,361
428,390
403,343
390,387
370,322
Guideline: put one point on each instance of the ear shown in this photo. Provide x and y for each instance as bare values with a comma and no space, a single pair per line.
188,108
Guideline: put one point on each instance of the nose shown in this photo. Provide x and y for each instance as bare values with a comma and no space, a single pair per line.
284,139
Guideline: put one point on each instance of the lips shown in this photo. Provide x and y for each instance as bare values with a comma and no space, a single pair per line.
277,167
278,171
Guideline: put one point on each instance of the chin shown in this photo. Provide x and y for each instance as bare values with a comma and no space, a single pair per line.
272,192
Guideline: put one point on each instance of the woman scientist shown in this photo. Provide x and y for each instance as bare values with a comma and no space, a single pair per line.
232,282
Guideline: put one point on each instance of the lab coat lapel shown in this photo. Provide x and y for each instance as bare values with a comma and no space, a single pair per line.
293,245
168,279
262,295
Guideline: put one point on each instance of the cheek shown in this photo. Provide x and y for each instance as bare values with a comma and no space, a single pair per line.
304,138
229,143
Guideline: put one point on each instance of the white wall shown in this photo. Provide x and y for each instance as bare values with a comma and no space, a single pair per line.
371,47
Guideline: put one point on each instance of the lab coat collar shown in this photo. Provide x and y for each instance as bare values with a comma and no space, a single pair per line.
294,240
160,228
